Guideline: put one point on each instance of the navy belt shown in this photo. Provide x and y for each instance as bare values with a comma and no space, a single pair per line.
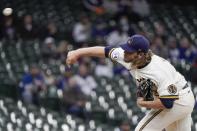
186,85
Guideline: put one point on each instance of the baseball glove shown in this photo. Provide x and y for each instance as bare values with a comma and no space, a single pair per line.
145,90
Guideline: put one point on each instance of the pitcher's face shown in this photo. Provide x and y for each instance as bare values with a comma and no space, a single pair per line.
130,57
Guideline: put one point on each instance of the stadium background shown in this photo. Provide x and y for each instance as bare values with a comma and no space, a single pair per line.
39,93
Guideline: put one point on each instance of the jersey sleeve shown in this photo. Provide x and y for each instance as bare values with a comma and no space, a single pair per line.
168,94
107,50
117,55
168,90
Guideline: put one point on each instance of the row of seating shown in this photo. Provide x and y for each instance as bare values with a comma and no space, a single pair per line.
15,116
184,24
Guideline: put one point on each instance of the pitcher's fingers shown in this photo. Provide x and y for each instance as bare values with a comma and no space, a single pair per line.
68,63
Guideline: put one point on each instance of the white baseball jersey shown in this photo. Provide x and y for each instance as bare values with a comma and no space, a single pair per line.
169,85
168,81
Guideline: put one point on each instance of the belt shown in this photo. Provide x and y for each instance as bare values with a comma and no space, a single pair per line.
186,86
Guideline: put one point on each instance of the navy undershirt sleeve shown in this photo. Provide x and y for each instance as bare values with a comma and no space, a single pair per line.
168,103
107,50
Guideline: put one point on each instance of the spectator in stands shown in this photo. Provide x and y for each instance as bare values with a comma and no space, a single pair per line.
49,78
160,30
187,51
31,85
173,52
158,47
48,49
62,49
126,8
94,6
141,7
73,98
52,31
8,30
81,31
110,6
99,30
84,80
104,69
28,30
50,83
62,82
116,37
125,25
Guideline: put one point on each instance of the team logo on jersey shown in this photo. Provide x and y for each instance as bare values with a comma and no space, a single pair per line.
172,89
115,55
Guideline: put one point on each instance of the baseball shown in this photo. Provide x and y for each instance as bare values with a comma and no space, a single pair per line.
7,11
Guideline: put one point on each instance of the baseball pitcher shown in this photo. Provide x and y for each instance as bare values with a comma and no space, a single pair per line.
159,86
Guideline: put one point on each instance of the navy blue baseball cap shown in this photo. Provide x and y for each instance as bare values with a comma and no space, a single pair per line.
136,43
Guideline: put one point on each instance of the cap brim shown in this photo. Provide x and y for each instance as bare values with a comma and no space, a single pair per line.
127,48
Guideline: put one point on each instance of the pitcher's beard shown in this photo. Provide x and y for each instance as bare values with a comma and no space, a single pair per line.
138,62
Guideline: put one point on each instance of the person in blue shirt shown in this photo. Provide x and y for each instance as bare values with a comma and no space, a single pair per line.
31,84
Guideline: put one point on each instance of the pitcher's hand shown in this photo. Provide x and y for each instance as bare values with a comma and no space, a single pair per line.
139,101
72,57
